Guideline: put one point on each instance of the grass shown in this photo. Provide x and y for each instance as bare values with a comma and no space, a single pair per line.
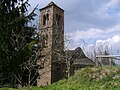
102,78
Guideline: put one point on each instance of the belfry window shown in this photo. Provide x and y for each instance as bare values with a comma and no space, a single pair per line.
57,19
47,15
44,20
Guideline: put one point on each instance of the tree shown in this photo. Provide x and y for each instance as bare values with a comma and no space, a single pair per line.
15,39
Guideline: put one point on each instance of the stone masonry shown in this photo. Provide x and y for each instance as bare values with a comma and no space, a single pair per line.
51,30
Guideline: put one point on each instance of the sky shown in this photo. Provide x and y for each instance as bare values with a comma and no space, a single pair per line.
90,22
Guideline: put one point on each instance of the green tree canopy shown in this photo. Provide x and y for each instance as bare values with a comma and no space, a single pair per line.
16,37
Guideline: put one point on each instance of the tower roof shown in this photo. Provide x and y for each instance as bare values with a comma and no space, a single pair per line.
51,4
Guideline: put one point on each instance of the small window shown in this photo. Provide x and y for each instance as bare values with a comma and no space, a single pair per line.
45,41
44,20
57,19
47,16
56,16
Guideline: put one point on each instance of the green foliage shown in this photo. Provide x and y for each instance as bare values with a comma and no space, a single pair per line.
102,78
16,38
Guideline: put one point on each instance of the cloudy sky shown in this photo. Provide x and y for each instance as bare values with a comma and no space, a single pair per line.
94,21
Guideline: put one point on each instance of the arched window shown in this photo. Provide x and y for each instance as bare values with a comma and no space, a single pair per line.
45,41
47,15
57,19
44,20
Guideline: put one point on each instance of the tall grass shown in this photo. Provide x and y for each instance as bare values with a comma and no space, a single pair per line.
102,78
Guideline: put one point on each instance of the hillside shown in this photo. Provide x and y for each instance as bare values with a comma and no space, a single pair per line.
102,78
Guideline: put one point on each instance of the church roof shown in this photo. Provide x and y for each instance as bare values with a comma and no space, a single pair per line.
79,57
84,61
51,4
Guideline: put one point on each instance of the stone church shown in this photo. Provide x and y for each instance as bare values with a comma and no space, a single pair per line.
53,59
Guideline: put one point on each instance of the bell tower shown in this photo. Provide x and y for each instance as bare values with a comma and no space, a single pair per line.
51,30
